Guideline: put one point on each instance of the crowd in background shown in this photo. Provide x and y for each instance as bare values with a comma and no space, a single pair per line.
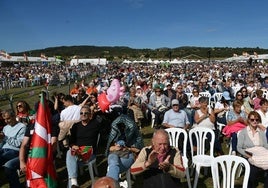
151,93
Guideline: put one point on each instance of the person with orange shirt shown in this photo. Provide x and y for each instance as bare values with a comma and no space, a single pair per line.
75,90
91,88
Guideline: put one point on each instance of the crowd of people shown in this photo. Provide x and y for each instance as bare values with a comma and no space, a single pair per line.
155,95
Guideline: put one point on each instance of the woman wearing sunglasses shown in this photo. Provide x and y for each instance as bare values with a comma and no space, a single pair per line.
24,113
249,137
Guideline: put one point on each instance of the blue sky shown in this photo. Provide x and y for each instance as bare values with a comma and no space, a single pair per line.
38,24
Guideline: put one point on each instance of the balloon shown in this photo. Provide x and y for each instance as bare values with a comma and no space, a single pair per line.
103,102
113,92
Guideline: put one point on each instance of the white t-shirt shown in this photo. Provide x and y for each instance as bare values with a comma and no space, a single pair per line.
70,113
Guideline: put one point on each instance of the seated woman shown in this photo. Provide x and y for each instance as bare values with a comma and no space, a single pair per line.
249,137
221,108
205,117
158,104
236,120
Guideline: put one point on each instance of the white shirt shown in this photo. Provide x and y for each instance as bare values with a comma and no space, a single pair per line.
70,113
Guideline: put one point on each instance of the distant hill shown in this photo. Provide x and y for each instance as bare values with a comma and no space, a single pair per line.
118,53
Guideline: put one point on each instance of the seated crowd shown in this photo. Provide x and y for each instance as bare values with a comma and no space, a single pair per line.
166,100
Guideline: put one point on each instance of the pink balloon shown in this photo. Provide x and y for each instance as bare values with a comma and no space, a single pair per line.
103,102
113,92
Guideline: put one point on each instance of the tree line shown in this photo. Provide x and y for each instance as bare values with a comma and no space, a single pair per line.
118,53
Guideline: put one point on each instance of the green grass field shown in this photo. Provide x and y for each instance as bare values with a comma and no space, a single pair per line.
31,96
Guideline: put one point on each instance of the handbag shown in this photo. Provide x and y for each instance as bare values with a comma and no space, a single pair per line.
258,158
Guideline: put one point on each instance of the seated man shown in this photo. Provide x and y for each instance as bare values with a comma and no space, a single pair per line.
12,135
160,163
83,133
176,117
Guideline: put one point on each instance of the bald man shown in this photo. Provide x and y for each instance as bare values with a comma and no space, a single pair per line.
161,164
105,182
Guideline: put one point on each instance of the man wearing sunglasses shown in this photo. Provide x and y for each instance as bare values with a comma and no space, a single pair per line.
83,133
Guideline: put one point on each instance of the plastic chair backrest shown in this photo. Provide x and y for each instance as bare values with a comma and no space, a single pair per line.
174,135
202,134
217,97
229,166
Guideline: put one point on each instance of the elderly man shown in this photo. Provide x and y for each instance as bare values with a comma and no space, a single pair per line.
160,163
176,117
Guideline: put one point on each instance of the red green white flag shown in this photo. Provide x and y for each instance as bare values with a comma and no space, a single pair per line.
41,172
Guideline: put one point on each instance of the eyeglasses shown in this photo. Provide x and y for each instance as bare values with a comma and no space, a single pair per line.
19,106
257,120
84,113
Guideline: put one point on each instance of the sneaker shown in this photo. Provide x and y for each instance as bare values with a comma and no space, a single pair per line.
123,184
233,153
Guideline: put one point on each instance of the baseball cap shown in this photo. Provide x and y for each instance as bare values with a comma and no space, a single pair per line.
174,102
226,95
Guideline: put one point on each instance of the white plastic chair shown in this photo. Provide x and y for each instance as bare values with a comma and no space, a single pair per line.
216,97
221,125
174,135
206,94
228,166
189,96
199,157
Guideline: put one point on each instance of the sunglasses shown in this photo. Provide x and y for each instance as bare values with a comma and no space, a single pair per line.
19,106
84,113
257,120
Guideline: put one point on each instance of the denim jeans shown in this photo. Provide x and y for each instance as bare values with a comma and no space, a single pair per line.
72,164
7,154
117,165
11,168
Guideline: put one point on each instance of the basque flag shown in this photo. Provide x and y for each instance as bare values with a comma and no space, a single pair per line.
41,172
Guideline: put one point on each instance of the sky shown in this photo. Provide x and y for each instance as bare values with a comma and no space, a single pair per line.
37,24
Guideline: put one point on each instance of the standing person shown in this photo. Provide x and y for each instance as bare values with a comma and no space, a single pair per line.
249,137
160,163
71,111
83,133
12,136
123,144
175,117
